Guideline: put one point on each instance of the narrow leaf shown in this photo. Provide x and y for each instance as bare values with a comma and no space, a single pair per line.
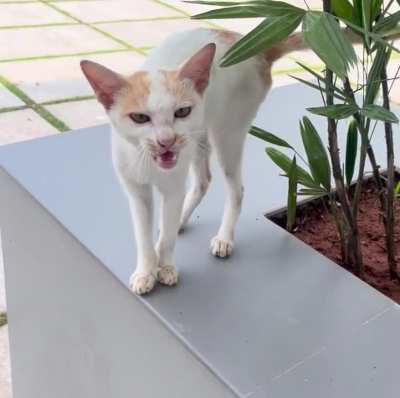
292,195
277,8
322,33
312,192
319,88
397,189
232,12
374,75
284,162
388,24
266,34
340,111
376,8
212,3
343,9
316,153
366,14
268,137
351,151
376,37
358,13
320,77
377,112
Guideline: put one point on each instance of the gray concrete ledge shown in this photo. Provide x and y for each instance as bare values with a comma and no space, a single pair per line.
277,319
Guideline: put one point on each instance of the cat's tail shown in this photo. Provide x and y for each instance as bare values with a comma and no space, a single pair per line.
295,42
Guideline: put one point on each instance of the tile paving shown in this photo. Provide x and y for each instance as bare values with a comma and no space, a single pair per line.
42,90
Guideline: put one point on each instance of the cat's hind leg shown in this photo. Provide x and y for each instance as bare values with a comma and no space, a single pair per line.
201,177
229,150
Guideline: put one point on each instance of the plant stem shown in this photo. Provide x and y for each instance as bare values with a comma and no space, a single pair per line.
353,242
363,151
337,219
389,210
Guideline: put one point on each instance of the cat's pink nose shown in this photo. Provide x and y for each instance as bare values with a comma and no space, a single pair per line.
166,142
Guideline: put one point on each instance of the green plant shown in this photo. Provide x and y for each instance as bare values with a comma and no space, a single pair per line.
374,22
3,319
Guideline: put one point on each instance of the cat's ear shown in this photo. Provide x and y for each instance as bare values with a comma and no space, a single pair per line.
105,83
198,67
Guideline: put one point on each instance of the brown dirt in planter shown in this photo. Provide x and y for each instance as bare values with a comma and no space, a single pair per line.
316,228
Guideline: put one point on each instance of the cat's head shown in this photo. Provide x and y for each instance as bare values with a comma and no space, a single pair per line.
160,111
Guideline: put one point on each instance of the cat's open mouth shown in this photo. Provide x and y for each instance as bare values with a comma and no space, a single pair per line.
167,160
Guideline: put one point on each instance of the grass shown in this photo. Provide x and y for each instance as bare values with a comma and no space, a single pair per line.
65,55
95,28
29,102
46,25
69,99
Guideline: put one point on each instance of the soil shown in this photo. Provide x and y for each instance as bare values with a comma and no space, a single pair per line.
314,226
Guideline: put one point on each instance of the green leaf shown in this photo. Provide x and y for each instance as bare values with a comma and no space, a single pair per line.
321,78
232,12
268,137
377,112
319,88
213,3
397,189
371,35
252,9
366,6
277,8
351,151
374,75
316,153
358,13
388,24
284,162
3,318
266,34
312,192
343,9
341,111
375,8
292,196
322,33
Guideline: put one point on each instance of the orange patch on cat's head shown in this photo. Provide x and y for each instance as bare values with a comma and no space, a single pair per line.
134,97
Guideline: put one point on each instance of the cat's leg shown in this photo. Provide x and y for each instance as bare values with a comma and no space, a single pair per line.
201,177
171,209
141,206
229,151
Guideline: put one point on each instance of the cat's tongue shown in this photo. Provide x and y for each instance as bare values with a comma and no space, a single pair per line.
167,160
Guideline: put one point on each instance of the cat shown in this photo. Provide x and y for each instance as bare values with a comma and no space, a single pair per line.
166,118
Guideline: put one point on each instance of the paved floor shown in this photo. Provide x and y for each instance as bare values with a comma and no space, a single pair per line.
42,91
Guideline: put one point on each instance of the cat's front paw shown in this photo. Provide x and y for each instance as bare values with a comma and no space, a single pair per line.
141,283
167,275
220,247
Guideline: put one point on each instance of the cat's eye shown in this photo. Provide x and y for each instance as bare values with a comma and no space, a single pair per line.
139,118
183,112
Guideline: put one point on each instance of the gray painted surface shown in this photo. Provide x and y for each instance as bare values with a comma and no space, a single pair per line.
75,331
276,307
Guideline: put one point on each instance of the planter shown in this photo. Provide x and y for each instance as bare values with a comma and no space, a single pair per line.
314,226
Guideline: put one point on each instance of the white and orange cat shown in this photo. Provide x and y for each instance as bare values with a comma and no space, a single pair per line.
166,118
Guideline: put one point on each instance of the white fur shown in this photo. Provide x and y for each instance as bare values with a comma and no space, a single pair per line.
220,120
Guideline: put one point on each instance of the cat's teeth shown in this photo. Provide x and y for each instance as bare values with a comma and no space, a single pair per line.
167,160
